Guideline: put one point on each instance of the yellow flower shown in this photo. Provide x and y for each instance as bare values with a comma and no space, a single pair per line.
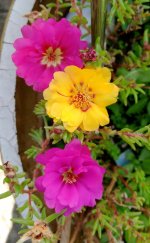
78,97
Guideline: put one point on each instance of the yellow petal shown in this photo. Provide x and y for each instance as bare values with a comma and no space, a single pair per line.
47,93
94,117
74,73
103,116
101,76
80,75
62,83
107,88
70,128
57,98
104,74
104,101
107,95
88,74
71,116
54,110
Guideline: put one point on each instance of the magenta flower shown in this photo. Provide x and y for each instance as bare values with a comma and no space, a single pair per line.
47,46
72,179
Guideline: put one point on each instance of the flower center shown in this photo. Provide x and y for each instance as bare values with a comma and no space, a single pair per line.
52,57
81,101
81,96
69,177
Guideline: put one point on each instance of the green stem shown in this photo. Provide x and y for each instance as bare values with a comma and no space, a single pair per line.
98,20
46,127
5,194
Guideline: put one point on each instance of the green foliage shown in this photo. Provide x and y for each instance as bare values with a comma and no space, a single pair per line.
62,4
122,10
144,160
39,109
78,18
125,11
37,135
5,194
53,216
141,137
127,88
32,152
123,214
122,211
21,221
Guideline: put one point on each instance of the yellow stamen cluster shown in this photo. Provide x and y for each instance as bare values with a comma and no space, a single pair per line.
80,101
81,96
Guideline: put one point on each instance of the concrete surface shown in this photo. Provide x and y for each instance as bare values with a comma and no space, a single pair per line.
8,136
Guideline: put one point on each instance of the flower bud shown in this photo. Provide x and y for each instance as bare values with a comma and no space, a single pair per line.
9,170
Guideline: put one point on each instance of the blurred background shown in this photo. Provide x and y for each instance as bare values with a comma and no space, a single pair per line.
4,8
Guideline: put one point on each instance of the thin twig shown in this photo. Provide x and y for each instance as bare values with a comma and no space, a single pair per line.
57,8
77,230
110,237
125,183
111,186
78,11
65,235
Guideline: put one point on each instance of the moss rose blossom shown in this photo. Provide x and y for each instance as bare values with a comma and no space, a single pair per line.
46,46
71,179
79,97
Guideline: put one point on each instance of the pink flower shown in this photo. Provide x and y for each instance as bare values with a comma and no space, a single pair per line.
72,179
47,46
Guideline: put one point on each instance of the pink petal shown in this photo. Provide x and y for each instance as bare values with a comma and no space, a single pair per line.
75,145
39,184
45,157
68,195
